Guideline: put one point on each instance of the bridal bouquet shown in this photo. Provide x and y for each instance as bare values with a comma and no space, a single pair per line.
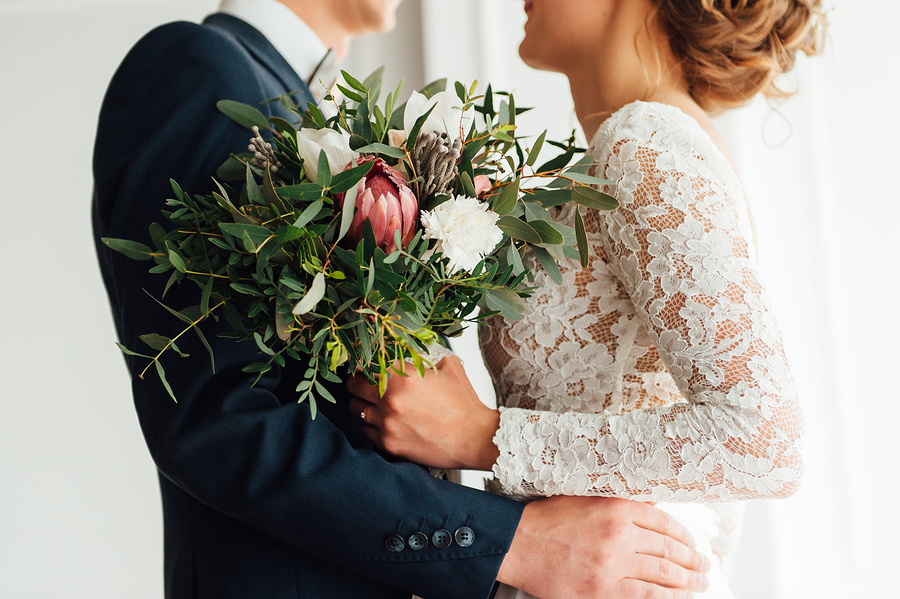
355,241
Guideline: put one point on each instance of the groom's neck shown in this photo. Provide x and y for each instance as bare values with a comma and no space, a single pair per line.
336,22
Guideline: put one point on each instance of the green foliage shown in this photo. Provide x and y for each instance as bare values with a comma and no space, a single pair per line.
271,254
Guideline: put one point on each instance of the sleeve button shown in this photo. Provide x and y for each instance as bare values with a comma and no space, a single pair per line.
394,543
418,541
465,536
441,539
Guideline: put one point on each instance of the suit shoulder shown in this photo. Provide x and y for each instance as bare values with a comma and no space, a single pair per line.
185,46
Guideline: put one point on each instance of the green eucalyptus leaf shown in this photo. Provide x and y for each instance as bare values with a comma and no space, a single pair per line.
515,259
585,179
253,191
506,201
350,94
357,142
310,213
177,261
433,88
468,186
212,358
205,295
557,163
354,83
261,345
162,377
323,170
256,233
320,388
286,234
306,192
232,169
536,149
506,302
347,211
175,313
581,233
548,263
517,229
130,249
246,289
534,211
282,125
343,181
547,231
550,197
383,149
413,135
242,114
233,318
128,352
371,280
593,198
272,200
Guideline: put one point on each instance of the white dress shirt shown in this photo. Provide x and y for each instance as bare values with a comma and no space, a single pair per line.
294,40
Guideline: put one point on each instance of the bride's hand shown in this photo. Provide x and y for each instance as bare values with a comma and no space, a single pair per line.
436,420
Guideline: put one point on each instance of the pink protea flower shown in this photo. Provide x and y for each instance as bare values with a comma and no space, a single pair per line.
387,202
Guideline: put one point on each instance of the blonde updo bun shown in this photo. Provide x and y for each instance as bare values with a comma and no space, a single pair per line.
731,50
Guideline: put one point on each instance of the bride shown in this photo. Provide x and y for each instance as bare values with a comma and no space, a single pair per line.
658,373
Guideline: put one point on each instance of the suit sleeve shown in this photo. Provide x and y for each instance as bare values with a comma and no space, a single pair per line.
247,452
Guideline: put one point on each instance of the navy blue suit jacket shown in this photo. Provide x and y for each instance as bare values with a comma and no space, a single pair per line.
259,500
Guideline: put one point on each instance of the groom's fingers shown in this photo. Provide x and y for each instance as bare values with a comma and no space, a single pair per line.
360,386
360,407
639,588
653,519
663,546
662,572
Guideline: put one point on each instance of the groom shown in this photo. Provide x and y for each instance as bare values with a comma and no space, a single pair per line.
258,499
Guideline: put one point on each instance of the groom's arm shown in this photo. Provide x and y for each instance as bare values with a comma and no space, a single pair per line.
240,449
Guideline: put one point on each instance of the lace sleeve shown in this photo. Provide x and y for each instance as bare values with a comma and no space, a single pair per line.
679,244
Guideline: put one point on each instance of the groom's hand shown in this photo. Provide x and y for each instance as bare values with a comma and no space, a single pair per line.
574,547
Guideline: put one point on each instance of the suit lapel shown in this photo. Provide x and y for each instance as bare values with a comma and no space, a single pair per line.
262,50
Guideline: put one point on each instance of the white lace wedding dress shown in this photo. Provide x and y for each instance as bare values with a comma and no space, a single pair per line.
658,372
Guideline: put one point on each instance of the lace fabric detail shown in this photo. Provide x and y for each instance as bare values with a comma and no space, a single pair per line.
657,373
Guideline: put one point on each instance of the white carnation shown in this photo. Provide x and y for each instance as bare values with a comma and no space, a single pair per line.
465,229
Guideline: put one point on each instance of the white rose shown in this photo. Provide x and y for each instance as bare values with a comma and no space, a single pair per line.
466,230
445,118
336,144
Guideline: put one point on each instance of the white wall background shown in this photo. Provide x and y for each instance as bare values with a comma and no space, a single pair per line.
79,507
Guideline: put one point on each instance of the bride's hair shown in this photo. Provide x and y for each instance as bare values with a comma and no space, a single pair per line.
731,50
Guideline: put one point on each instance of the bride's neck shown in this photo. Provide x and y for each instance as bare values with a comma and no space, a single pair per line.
629,66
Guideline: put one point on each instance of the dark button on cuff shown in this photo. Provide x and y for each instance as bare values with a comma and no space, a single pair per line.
418,541
442,539
465,536
394,543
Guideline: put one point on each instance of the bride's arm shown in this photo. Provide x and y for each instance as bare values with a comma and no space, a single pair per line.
680,248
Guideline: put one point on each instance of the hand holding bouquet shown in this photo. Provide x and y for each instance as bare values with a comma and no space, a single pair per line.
353,242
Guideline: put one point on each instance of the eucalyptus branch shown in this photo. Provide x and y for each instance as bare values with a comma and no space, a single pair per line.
178,336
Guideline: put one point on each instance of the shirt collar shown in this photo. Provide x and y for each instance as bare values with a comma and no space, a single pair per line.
294,40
